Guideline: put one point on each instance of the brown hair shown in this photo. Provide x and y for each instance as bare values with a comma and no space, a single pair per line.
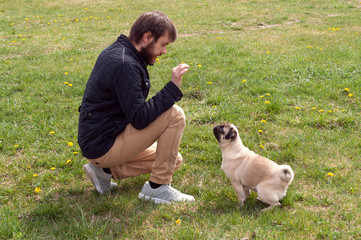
155,22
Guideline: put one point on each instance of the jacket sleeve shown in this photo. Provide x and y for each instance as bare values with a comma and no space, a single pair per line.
129,87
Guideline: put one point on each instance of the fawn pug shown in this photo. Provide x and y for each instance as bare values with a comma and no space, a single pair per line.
249,171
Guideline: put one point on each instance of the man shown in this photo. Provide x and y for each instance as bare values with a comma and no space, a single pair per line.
119,127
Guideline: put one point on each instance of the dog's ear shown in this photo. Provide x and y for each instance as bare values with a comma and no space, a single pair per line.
232,134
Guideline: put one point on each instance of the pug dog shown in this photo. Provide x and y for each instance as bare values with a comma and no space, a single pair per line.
249,171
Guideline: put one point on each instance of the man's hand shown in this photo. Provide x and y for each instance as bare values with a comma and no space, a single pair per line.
178,72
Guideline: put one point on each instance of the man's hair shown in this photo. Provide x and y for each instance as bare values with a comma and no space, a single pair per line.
155,22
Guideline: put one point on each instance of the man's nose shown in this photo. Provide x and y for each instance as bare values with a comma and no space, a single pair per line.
164,51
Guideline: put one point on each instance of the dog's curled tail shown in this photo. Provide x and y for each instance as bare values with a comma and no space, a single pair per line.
286,173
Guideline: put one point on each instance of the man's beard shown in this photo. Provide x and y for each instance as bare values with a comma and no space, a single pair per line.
147,53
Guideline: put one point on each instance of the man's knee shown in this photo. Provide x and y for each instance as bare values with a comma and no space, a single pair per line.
178,114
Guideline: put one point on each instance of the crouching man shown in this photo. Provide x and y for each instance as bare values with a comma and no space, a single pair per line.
123,134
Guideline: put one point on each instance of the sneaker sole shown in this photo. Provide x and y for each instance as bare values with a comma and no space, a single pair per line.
141,196
92,177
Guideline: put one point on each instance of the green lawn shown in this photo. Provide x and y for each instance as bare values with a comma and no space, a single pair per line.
286,72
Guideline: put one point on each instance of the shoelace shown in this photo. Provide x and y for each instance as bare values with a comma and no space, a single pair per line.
174,190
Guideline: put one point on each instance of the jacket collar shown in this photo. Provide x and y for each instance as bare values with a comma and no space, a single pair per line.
124,40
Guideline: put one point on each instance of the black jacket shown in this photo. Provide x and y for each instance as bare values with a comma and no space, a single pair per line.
115,96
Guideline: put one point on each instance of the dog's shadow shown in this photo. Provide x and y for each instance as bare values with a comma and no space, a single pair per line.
225,201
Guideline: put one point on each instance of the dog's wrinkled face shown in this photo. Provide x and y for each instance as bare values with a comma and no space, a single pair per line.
225,132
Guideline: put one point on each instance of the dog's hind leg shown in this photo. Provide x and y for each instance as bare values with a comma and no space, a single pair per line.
271,207
268,196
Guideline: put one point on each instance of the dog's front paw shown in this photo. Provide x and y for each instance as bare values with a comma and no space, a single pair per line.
241,203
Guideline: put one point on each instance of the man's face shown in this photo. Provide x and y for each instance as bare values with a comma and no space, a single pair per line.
155,49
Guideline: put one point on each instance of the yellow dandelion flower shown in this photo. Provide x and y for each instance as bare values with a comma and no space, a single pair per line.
298,108
66,83
53,168
75,153
330,174
244,80
268,52
37,190
52,132
330,111
313,108
267,102
263,121
268,94
347,90
309,46
209,83
28,167
261,146
321,110
199,65
77,20
350,95
70,85
71,59
343,110
69,161
66,73
70,144
16,146
55,21
35,175
260,131
178,222
261,96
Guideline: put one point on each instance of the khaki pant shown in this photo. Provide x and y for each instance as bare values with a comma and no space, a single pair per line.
136,152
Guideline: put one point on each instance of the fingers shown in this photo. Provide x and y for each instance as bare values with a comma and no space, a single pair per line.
181,69
178,72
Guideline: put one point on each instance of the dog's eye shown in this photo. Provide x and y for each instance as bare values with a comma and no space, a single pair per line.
221,129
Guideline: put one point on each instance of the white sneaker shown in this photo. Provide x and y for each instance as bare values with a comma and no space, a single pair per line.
100,179
165,194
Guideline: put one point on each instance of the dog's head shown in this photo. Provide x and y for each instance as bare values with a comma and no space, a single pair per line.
225,132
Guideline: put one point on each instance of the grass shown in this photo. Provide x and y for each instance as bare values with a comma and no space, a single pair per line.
284,67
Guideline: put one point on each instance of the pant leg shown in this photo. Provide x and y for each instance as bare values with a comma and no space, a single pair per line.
133,153
141,164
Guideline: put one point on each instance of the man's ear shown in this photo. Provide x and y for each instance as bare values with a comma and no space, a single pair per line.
147,37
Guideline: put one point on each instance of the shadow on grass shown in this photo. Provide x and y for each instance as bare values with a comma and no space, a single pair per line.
82,213
85,214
